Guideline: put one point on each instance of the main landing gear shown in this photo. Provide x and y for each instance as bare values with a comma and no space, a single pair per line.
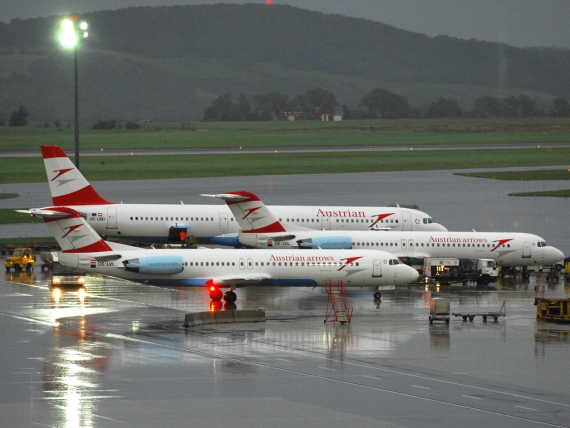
216,295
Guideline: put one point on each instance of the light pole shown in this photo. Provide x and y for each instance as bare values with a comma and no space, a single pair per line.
70,37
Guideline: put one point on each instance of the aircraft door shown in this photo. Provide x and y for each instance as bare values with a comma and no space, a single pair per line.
526,250
223,221
249,264
407,220
111,218
241,264
325,223
377,268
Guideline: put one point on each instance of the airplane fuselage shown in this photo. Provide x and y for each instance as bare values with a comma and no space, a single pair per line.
507,249
153,223
226,268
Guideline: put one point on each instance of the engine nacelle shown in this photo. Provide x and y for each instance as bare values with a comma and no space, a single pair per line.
155,265
258,240
327,243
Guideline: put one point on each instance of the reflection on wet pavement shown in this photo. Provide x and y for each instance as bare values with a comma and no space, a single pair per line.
103,351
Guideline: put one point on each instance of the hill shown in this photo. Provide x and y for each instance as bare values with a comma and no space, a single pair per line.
171,62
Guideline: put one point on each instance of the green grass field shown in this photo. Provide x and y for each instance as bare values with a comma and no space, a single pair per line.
558,174
563,193
554,174
407,133
281,134
30,170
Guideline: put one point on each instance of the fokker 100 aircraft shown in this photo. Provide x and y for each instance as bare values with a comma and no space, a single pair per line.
159,223
216,269
261,229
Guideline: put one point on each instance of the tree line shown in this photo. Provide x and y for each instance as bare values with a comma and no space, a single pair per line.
379,103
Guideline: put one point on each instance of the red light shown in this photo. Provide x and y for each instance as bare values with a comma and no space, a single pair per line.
212,288
74,17
269,1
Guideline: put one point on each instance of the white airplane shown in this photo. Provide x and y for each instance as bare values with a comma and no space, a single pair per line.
261,229
83,248
155,223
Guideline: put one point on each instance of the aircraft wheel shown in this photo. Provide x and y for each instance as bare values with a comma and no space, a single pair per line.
216,295
230,297
377,295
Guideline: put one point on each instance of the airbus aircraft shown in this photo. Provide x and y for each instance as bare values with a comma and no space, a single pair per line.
216,269
261,229
156,223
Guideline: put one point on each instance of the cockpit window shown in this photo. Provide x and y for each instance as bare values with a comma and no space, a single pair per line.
428,220
395,262
542,244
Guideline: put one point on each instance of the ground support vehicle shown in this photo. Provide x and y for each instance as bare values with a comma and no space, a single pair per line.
567,269
551,309
65,276
21,258
48,259
489,314
439,310
449,270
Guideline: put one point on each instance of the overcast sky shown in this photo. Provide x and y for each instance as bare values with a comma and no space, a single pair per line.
523,23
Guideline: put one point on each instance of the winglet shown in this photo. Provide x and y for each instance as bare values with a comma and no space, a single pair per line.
71,230
67,185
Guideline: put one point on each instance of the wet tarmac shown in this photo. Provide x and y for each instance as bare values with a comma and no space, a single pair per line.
118,355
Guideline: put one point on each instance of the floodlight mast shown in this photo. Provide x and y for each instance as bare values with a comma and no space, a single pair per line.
70,37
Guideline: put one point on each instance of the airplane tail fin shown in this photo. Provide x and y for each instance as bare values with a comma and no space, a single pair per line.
250,212
67,185
71,231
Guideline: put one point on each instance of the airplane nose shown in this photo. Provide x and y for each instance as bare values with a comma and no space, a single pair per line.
552,255
411,274
441,228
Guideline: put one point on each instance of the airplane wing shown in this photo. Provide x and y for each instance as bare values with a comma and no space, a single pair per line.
234,280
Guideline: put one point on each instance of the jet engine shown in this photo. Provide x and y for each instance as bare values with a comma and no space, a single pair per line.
155,265
327,243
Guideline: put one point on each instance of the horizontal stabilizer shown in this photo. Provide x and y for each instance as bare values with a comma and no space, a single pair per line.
228,197
46,213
